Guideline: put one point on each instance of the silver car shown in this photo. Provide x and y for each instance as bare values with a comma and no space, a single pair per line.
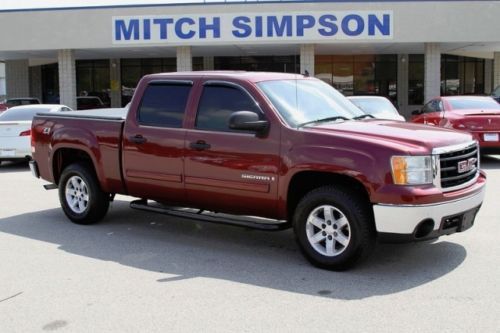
377,106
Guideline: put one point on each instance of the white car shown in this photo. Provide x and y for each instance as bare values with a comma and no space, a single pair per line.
15,129
377,106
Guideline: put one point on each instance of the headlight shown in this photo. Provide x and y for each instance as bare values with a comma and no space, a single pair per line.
411,170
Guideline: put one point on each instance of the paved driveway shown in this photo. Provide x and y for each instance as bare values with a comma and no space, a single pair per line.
140,272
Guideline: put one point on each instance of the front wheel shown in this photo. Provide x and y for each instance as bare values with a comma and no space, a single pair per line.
334,228
80,195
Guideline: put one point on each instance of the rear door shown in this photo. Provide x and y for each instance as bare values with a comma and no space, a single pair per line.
230,170
153,142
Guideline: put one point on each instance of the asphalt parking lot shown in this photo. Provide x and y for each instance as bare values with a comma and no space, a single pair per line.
140,272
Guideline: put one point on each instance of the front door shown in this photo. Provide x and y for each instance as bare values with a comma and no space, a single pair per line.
228,170
153,143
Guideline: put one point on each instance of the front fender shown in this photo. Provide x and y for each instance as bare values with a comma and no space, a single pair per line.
355,163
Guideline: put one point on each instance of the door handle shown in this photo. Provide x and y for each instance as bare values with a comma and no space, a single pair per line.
138,139
199,145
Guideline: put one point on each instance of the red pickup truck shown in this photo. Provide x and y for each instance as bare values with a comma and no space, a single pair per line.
264,150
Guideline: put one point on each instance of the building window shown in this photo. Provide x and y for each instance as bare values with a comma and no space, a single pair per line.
450,78
416,79
132,70
284,64
360,74
2,81
92,79
473,76
461,75
50,84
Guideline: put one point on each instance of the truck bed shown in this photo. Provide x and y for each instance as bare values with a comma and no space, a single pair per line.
98,133
107,114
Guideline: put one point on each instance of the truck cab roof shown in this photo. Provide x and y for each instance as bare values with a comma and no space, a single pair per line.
241,75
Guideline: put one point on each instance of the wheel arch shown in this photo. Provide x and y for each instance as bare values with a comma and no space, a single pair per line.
303,182
64,156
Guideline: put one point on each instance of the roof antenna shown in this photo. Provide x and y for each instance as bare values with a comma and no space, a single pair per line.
306,73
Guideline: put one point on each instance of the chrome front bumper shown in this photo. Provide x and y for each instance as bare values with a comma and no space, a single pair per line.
405,219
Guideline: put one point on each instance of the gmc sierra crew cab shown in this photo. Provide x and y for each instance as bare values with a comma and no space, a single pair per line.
264,150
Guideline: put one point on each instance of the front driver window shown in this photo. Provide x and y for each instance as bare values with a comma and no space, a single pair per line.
218,103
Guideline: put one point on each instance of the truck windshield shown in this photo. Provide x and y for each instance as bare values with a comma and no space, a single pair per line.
308,101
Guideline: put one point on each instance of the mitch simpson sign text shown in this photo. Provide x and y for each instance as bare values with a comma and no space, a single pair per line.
308,26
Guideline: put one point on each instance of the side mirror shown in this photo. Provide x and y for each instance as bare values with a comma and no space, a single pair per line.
248,121
417,112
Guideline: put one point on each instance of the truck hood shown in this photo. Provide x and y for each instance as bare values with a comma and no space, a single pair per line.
408,137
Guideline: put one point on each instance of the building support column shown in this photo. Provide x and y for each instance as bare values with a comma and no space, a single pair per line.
432,75
67,78
496,70
17,78
208,63
402,87
184,59
115,82
488,76
307,59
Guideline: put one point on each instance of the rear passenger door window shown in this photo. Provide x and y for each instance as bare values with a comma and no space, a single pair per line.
163,104
218,103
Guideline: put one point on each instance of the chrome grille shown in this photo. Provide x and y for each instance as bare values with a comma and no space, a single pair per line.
459,167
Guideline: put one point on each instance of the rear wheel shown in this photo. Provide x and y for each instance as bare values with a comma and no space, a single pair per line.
334,228
80,195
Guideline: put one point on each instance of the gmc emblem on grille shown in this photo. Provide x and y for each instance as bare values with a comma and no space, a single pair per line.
467,165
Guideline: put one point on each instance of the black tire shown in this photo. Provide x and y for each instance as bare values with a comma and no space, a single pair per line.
96,205
359,231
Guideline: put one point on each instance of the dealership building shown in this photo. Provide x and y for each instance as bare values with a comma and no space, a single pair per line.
408,51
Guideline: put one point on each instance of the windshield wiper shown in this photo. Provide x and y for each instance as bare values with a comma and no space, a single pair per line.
363,116
322,120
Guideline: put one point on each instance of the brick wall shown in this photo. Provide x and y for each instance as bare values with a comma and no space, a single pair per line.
17,78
